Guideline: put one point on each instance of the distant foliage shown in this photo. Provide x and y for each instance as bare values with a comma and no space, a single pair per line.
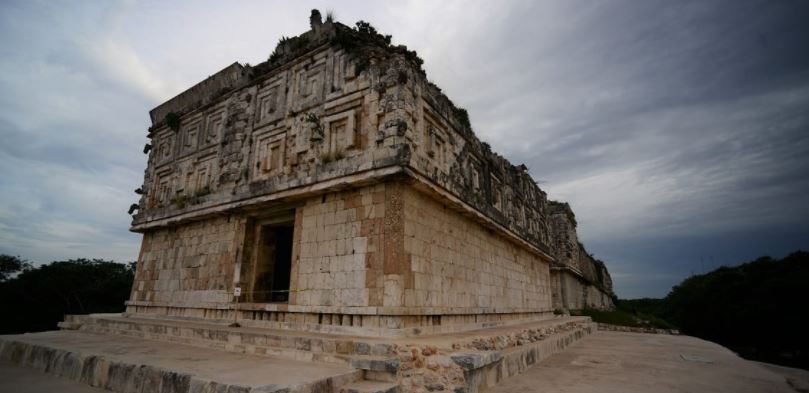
10,265
757,309
38,298
648,306
623,317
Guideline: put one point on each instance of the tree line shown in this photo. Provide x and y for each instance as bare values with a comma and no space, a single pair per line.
757,309
36,298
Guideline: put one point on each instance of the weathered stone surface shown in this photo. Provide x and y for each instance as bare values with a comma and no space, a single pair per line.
403,221
134,365
389,365
577,279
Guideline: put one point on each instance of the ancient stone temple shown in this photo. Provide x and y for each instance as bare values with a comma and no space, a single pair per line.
327,221
334,185
578,280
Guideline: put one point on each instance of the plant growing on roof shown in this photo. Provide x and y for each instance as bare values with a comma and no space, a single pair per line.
287,46
363,42
173,121
180,201
201,192
328,157
317,127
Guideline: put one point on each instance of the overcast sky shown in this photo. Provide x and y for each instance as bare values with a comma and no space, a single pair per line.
678,131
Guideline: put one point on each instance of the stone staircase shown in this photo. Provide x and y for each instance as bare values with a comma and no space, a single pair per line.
301,346
460,362
375,358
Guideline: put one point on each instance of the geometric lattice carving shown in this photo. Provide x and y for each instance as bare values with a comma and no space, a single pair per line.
213,128
189,135
271,102
340,131
269,155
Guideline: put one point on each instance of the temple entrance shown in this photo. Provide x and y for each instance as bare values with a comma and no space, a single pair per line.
272,261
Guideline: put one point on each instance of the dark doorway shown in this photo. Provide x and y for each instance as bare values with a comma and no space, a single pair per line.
273,263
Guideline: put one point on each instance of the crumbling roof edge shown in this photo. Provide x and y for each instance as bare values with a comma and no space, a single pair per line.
238,66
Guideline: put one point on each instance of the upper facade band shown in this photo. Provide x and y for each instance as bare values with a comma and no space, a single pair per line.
332,107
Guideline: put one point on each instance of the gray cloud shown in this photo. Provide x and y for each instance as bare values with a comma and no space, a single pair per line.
677,130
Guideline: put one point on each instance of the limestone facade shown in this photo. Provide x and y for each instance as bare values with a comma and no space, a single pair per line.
578,279
334,185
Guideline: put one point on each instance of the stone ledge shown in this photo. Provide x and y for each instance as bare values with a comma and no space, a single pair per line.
129,365
357,310
461,362
632,329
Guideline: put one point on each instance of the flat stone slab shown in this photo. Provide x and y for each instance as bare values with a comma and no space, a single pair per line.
181,364
638,362
27,380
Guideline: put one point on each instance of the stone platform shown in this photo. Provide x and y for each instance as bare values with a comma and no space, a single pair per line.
623,362
125,354
124,364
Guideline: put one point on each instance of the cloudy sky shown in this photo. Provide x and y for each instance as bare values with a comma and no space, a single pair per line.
677,130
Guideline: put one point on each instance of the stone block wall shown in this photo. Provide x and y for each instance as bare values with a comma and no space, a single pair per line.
320,115
455,263
579,280
338,249
191,264
446,152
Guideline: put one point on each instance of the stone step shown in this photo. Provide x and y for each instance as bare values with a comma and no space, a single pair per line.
468,360
375,363
484,369
230,346
131,365
370,387
293,345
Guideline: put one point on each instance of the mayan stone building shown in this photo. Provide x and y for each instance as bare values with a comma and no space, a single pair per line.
337,189
577,279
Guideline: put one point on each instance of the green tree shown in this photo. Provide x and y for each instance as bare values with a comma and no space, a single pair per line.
10,264
38,298
756,309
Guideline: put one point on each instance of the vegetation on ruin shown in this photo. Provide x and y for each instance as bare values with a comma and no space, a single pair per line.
201,192
753,309
328,157
173,121
37,298
463,116
291,45
317,126
625,318
11,265
366,46
180,201
365,43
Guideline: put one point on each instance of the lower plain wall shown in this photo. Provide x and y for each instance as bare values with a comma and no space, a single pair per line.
572,293
454,262
192,263
382,256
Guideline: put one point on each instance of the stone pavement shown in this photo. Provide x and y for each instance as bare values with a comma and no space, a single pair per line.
797,378
112,362
634,362
603,362
27,380
124,354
